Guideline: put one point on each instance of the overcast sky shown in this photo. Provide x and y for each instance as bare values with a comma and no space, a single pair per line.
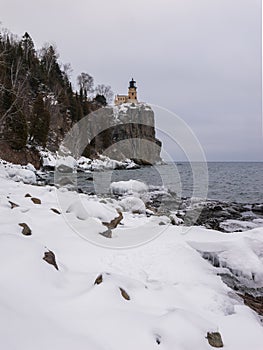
200,59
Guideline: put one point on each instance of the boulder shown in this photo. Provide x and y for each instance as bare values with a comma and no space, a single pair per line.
36,200
124,294
114,222
215,339
50,258
26,229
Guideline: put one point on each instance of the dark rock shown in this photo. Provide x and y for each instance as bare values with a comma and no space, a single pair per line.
217,208
13,205
55,210
255,303
50,258
158,339
107,233
257,208
28,195
26,229
99,279
114,222
36,200
215,339
124,294
161,223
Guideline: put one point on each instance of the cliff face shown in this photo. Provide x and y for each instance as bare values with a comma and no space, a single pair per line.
120,132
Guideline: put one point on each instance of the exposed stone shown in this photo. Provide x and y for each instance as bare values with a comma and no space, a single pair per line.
99,279
26,229
28,195
50,258
124,294
13,205
158,339
215,339
55,210
36,200
258,208
114,222
107,233
255,303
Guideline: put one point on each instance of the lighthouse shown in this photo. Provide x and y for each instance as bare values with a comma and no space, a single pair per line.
132,92
131,97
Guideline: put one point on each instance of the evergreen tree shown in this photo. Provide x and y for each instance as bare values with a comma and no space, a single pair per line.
40,122
16,129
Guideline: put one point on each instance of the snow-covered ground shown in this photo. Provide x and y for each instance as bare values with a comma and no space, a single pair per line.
161,294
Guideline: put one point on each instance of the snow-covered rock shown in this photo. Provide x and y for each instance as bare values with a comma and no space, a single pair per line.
84,208
18,173
128,187
48,159
133,204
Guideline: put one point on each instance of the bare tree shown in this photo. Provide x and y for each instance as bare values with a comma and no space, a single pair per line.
85,83
48,55
67,70
104,90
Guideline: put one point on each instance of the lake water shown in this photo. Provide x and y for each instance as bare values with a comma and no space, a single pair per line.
240,182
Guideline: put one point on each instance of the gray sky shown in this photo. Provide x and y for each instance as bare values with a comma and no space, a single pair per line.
200,59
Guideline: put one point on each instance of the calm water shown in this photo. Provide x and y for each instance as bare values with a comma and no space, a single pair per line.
230,182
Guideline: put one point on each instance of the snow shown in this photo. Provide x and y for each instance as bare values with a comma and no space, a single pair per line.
176,296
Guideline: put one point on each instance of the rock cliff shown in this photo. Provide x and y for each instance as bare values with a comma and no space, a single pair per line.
119,132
